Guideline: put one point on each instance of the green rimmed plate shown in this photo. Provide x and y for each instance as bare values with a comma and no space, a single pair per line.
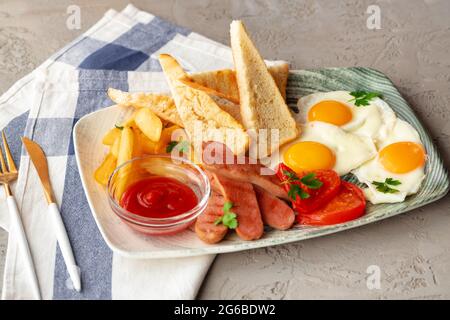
125,241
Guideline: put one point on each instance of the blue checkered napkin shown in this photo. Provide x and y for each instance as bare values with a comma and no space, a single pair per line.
47,103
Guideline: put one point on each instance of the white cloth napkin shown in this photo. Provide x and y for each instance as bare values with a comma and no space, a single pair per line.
45,92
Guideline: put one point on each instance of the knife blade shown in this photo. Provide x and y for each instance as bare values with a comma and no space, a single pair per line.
39,160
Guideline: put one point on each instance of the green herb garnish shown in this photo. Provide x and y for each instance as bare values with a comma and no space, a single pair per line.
308,181
362,98
229,218
291,177
170,146
182,146
385,186
118,127
295,191
311,182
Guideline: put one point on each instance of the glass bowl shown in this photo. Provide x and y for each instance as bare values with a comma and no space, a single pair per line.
168,166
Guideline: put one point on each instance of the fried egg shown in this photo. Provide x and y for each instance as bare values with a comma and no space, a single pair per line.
401,157
324,146
375,120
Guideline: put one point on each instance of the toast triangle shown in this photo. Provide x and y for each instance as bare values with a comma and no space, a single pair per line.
224,81
196,106
262,105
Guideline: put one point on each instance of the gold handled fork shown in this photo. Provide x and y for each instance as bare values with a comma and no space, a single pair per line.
8,174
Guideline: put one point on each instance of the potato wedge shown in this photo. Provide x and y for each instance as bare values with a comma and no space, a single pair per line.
114,150
125,152
105,170
111,136
148,146
166,137
138,149
149,123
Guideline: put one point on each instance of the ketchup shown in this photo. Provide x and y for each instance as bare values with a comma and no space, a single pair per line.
158,197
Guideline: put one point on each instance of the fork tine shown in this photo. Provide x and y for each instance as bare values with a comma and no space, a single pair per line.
9,158
2,162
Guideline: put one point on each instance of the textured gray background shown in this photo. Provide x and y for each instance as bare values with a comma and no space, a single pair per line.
412,48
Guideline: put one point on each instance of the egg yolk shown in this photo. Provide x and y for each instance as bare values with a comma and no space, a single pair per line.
330,111
402,157
309,155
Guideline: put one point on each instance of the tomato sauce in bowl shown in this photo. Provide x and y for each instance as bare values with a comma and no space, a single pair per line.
158,194
158,197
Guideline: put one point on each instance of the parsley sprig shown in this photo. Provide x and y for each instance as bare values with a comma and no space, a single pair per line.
295,190
182,146
386,186
362,98
229,218
171,145
291,177
308,181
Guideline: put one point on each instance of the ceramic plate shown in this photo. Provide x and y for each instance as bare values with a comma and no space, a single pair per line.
89,150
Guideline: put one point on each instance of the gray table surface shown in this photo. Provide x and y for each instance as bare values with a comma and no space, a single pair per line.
412,48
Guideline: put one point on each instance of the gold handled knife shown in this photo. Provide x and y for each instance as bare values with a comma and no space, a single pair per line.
39,160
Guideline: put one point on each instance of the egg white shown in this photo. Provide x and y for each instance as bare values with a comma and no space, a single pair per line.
373,170
349,149
375,120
